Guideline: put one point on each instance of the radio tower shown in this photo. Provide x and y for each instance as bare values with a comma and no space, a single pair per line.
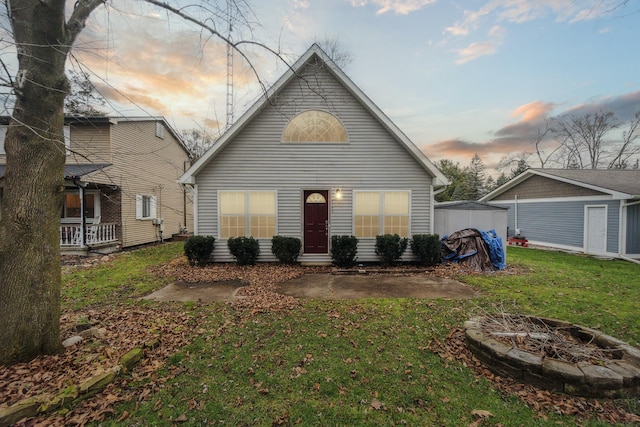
229,69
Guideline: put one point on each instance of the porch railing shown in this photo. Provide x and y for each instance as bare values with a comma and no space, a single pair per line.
70,234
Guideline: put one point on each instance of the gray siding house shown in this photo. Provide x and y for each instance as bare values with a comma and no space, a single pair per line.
313,158
591,211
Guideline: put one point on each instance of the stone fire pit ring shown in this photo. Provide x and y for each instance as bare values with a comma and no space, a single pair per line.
617,377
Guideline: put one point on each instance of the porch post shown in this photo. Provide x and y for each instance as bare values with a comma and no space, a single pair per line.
83,220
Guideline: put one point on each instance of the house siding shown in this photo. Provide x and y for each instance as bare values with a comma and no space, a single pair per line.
633,230
561,223
90,143
256,160
538,187
146,164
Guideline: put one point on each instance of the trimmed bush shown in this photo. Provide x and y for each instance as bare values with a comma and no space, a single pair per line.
198,250
390,247
427,248
286,249
245,250
344,250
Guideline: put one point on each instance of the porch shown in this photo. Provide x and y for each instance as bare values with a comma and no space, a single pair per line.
101,237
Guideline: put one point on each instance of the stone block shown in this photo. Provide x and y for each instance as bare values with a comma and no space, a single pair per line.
475,335
496,348
630,373
562,371
62,398
528,361
22,409
543,381
97,383
600,376
631,354
129,360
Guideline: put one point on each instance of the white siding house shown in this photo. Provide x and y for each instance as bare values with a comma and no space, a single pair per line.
312,159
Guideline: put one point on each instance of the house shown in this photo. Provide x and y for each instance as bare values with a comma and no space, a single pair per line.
121,186
314,158
585,210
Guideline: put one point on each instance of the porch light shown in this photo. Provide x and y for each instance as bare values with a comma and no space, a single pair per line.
338,193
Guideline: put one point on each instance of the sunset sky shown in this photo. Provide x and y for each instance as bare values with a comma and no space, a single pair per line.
458,77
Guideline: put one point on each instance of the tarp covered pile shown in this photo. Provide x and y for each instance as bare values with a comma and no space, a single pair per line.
479,250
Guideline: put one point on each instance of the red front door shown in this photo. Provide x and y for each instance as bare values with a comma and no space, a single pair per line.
316,226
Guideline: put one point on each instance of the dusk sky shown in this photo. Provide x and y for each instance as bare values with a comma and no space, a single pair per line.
458,77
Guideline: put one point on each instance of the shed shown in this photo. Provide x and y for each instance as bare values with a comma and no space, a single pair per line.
450,217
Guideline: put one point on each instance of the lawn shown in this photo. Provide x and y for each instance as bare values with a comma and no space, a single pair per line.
363,362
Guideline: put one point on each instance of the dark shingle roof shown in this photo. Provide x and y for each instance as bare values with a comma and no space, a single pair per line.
71,171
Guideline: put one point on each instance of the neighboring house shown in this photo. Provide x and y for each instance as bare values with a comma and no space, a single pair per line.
585,210
120,179
314,159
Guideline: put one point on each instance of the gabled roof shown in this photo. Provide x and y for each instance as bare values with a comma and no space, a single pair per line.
621,184
313,52
468,205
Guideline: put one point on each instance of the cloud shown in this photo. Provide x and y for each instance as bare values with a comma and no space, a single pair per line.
533,111
520,11
399,7
623,106
475,51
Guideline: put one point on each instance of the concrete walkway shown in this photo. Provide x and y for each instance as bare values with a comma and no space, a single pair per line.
326,286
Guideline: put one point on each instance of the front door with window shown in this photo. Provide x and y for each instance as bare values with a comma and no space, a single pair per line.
316,221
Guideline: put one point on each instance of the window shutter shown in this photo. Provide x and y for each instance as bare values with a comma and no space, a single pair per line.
138,206
67,139
152,203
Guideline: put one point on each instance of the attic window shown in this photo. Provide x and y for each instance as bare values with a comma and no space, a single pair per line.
314,126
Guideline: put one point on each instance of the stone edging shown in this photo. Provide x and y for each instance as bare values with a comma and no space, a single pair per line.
46,403
618,378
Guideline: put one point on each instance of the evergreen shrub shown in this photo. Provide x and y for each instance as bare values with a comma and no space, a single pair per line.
344,250
198,250
244,249
286,249
390,247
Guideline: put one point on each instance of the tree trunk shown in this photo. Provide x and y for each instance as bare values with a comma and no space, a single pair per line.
30,274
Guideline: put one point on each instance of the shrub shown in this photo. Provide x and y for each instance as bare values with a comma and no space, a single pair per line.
427,248
198,250
245,249
286,249
390,247
344,250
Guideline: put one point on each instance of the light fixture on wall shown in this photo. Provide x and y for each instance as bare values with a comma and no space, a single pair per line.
338,193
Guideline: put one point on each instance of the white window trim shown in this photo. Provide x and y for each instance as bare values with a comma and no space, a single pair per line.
152,208
160,130
381,211
247,224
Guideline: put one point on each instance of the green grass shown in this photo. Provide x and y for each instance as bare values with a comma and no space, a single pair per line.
362,362
124,278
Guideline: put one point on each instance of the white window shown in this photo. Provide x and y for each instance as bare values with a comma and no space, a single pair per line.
145,206
160,130
247,213
381,212
66,131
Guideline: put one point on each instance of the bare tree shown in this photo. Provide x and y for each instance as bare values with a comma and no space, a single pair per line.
583,138
30,274
197,142
545,153
629,146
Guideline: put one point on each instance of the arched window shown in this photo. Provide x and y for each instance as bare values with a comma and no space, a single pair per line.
314,126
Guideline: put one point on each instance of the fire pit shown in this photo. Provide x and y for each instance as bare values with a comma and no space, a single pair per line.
555,355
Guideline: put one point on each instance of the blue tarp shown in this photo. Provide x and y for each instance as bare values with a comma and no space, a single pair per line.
480,250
